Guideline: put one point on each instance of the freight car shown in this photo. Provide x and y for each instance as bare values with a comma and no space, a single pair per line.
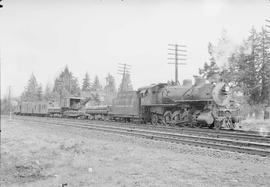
100,112
32,108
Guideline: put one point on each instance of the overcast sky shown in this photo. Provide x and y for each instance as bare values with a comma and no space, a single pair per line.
42,36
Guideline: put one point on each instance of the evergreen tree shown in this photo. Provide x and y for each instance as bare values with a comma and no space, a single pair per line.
110,87
264,71
75,88
209,70
47,92
244,68
39,93
49,95
86,83
31,90
249,68
66,84
96,86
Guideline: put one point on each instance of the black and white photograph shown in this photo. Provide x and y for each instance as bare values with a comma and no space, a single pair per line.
123,93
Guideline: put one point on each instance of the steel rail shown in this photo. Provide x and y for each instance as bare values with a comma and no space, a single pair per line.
200,132
239,135
230,145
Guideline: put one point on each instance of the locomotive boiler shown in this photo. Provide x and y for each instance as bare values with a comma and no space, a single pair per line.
201,104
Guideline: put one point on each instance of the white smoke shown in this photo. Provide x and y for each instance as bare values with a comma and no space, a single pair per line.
223,50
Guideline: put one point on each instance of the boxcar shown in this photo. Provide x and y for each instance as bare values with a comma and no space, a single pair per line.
40,108
26,108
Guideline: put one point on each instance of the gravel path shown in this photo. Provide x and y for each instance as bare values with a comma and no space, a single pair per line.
46,155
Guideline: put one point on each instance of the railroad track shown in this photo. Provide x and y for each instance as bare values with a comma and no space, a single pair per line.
236,135
225,134
246,143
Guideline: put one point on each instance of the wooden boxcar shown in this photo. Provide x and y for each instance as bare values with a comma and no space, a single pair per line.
27,108
33,108
40,108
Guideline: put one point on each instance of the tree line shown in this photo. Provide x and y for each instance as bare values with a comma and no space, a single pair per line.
245,67
66,84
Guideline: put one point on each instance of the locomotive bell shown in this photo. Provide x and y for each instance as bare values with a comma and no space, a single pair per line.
220,94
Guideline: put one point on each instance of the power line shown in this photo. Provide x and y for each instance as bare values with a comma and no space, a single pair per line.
176,52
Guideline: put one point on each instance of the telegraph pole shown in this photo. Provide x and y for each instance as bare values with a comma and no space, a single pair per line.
267,111
176,52
123,69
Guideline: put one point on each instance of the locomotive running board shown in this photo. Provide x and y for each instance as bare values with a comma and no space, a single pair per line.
178,122
162,105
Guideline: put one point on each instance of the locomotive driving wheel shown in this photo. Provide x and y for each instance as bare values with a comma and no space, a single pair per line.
167,117
176,117
154,119
217,125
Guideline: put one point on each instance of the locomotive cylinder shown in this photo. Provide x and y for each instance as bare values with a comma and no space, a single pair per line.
206,117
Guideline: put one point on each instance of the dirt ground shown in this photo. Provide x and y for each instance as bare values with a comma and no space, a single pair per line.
44,155
259,125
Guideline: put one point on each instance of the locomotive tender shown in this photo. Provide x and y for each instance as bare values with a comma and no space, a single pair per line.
203,104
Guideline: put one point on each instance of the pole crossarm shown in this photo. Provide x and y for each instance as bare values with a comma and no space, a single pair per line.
175,54
177,59
178,50
178,63
177,45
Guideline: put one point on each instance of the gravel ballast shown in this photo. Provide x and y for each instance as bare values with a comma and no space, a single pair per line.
35,154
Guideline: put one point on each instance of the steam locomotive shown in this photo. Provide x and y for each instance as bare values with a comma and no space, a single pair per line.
203,104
